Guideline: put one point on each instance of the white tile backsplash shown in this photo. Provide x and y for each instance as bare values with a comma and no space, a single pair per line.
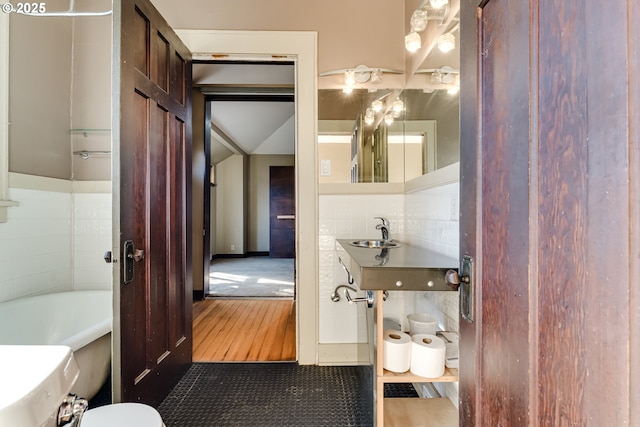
341,217
54,241
92,237
427,218
35,244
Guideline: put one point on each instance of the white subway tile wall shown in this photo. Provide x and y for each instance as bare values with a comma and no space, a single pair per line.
433,221
91,239
35,244
427,218
54,241
434,218
341,217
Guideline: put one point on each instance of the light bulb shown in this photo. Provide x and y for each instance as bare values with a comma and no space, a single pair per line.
350,77
376,76
377,105
388,119
347,89
397,106
436,77
446,42
418,20
369,119
437,4
412,42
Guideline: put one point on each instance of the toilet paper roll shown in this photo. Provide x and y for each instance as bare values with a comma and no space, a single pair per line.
427,355
396,351
422,323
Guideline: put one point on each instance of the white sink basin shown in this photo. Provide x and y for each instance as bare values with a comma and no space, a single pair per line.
35,380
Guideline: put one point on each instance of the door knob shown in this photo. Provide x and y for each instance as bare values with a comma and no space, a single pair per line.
454,280
107,257
138,255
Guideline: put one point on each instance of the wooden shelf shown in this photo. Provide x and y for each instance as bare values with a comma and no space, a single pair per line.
403,412
449,376
408,412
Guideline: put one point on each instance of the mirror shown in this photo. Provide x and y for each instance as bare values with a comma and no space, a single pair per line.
423,137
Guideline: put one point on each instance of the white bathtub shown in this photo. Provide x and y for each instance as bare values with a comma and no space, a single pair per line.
80,320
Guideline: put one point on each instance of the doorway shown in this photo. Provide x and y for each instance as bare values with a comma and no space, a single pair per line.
300,47
249,308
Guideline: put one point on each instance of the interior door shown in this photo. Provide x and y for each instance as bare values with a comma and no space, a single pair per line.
282,209
152,190
550,212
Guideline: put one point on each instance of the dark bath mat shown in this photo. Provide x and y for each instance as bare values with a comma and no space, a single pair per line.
270,394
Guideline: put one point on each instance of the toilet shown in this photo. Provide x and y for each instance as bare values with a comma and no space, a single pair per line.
33,393
122,415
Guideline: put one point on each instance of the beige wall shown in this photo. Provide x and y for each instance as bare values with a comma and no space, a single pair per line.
60,79
369,32
91,95
339,154
230,206
259,198
40,96
229,213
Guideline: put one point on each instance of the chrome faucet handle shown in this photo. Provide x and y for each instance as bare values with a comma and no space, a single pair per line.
384,228
71,411
385,221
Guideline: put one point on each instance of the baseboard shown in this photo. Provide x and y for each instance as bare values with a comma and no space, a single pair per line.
198,295
257,253
343,354
245,255
221,256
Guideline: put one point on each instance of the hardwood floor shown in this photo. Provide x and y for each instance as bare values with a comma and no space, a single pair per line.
244,330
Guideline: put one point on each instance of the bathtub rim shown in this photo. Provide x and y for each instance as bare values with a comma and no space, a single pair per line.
85,335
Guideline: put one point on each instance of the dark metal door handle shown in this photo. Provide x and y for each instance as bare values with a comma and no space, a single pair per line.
128,262
108,257
138,255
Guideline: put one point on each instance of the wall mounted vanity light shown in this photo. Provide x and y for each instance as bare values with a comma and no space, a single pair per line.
359,75
446,77
428,10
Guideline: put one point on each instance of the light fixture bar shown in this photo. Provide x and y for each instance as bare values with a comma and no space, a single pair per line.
358,70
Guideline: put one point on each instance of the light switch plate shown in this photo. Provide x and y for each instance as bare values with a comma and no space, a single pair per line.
325,167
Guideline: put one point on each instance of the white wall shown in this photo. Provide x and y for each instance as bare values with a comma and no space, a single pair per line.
344,216
92,237
258,226
432,222
230,206
35,244
55,240
426,218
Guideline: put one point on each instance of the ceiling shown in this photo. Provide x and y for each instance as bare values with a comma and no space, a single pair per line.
242,126
252,108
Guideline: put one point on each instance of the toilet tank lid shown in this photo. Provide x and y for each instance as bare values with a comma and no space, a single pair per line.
122,415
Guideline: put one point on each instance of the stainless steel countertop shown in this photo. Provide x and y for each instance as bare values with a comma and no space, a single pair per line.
407,267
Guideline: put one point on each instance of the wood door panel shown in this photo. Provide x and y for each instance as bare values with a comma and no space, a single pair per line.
505,216
177,81
176,252
562,217
158,241
282,202
155,152
160,58
549,195
140,41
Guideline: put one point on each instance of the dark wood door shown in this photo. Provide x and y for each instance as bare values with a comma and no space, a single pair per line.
154,199
550,196
282,209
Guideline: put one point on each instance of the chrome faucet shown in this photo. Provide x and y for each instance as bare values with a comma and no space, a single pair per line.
384,228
